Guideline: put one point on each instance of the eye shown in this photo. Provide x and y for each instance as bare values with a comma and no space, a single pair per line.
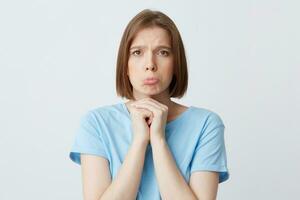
136,52
164,53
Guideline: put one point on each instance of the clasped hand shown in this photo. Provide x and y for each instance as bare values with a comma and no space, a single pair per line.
157,121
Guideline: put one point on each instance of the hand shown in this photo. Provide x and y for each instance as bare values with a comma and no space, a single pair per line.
159,118
141,119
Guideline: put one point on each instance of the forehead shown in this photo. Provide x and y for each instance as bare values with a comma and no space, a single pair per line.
152,35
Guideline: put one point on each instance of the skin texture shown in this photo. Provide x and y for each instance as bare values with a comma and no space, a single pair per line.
151,109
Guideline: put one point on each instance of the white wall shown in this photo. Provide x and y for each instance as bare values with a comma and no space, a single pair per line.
57,60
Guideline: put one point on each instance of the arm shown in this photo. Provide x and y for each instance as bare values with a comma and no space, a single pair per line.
97,183
171,183
203,184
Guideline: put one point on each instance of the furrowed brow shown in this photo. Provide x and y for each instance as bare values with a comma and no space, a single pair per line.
163,47
137,47
158,47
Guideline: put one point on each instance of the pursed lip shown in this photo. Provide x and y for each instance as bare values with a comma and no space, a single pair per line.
151,80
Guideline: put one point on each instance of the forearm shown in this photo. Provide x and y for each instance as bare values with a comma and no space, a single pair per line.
172,184
127,181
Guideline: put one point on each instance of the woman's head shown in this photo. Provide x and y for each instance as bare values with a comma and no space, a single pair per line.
151,46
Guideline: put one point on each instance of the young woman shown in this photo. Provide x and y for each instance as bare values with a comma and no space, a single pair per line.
151,147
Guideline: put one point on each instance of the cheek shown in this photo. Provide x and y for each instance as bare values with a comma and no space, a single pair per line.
134,62
133,67
132,73
168,67
167,62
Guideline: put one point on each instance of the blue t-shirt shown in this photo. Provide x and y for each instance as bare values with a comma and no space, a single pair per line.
195,139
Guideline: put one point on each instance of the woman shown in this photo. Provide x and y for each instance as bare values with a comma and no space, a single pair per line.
151,147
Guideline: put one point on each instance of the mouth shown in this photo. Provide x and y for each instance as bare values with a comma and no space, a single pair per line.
150,81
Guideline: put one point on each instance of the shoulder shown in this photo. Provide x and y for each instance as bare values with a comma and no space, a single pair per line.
102,114
207,116
210,124
105,110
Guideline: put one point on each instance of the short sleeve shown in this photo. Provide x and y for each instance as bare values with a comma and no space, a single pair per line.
210,152
88,139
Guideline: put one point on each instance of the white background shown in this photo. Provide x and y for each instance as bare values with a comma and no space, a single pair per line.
57,60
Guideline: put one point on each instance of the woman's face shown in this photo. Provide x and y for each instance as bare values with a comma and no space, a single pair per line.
150,55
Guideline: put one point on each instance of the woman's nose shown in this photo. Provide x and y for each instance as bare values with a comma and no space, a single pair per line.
152,68
150,63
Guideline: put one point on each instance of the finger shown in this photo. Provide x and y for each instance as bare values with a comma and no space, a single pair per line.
148,105
145,112
149,121
155,102
147,116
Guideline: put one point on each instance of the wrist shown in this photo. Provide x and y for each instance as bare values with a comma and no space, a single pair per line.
140,142
157,141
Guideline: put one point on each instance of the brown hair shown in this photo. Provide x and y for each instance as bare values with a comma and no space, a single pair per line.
148,18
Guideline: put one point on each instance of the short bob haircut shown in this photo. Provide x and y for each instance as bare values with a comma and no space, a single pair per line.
145,19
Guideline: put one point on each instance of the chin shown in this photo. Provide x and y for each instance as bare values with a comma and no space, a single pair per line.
150,92
153,93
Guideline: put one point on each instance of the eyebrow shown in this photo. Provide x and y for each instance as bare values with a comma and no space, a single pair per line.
158,47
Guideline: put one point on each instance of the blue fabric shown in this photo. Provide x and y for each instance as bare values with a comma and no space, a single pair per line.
195,139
